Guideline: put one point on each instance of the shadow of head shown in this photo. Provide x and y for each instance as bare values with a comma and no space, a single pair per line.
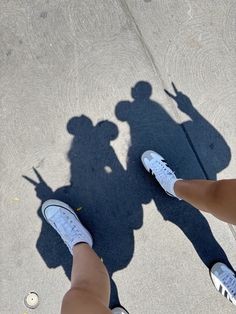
141,91
76,124
82,126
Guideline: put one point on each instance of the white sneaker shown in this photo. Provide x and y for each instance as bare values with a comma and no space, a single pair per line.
63,219
119,310
157,166
224,280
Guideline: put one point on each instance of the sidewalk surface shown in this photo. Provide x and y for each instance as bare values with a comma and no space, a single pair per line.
82,96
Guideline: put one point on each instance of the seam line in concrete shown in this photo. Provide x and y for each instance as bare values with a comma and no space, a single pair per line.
194,151
130,16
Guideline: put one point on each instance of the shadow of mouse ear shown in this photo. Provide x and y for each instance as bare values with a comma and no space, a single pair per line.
75,124
108,130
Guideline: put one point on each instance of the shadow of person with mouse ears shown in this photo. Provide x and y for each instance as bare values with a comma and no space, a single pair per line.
152,128
102,189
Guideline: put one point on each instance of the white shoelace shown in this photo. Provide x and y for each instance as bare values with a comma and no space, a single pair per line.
229,282
161,171
66,228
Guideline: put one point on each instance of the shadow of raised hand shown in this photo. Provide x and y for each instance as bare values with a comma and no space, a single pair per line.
43,191
183,101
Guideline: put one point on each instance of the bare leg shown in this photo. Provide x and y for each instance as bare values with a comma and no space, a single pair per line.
215,197
90,284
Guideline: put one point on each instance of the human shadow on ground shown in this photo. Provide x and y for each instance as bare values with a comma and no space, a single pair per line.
110,198
101,187
152,128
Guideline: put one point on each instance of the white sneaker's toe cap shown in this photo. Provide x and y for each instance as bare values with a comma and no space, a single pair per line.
148,156
218,268
51,207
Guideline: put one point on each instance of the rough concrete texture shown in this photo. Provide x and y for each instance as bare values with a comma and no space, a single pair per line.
76,79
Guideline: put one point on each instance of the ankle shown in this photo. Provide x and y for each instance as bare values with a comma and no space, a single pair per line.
78,246
177,186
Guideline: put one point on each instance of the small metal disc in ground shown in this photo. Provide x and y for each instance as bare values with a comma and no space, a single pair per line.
31,300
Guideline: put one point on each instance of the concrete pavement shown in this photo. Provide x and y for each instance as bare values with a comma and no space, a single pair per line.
82,96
